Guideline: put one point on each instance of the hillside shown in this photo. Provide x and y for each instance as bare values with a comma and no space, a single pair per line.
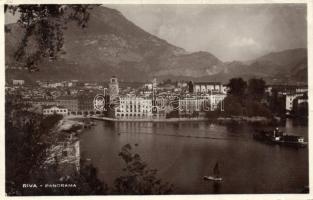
112,45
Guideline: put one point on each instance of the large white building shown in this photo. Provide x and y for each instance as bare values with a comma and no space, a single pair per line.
18,82
207,87
201,104
134,107
290,101
51,110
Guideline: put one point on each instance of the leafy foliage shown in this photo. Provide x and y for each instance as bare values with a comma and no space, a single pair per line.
237,86
138,178
256,88
236,106
24,149
277,103
26,136
26,142
44,26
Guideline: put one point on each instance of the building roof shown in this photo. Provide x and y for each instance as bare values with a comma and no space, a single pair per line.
207,83
287,86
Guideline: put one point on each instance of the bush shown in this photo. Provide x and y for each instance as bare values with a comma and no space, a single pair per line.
138,178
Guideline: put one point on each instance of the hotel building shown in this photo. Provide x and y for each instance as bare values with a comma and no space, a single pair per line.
134,107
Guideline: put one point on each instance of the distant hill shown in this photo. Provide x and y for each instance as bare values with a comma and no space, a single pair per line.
112,45
288,66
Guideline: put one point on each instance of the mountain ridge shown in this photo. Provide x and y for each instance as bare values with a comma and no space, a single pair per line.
113,45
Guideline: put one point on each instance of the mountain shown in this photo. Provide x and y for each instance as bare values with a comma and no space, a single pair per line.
112,45
284,66
288,66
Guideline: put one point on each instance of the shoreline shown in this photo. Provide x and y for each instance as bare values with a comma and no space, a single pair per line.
150,120
236,119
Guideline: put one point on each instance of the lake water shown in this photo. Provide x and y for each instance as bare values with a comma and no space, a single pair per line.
185,152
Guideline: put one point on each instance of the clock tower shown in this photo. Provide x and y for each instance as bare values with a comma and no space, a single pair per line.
113,88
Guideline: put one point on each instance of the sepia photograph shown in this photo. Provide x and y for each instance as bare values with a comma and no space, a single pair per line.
156,99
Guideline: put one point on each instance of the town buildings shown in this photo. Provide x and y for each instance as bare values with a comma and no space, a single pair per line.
85,103
294,99
51,110
291,95
150,100
283,90
71,103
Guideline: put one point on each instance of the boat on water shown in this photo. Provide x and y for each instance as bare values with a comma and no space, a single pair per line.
216,174
277,136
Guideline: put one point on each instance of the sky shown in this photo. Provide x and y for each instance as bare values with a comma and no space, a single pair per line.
230,32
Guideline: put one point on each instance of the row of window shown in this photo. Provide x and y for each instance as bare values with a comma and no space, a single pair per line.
131,115
135,104
141,111
55,111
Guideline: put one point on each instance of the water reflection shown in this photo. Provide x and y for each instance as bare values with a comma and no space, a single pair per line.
216,188
234,127
184,152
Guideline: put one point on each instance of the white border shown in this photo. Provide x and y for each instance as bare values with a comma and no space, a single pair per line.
239,197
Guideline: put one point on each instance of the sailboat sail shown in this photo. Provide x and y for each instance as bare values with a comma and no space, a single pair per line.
216,170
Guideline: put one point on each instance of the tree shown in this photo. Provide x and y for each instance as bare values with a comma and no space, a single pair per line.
43,27
238,106
138,177
277,103
256,88
24,149
300,110
190,87
237,86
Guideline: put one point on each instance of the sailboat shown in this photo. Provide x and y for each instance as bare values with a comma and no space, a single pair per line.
216,174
